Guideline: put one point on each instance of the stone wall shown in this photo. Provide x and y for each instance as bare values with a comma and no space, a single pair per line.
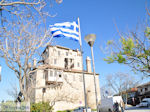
67,92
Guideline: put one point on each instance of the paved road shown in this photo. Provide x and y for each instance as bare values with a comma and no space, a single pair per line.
136,109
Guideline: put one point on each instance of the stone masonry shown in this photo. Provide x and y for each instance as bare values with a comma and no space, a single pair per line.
59,79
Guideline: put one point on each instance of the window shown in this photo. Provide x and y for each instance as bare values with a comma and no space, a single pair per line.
146,89
51,73
59,74
66,53
54,50
55,73
58,53
66,63
78,64
69,63
45,74
55,61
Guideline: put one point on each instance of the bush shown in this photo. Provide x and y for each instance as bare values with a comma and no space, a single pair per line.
40,107
65,111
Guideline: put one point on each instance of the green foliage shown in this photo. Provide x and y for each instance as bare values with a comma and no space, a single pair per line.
94,109
66,111
127,49
109,59
120,58
40,107
12,106
7,106
147,32
127,46
147,52
132,50
109,42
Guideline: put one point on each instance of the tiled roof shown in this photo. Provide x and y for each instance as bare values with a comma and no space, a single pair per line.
146,84
65,70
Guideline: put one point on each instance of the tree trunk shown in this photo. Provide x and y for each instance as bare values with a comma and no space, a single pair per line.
126,98
24,89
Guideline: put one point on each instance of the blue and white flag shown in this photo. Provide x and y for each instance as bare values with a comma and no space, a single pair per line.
67,29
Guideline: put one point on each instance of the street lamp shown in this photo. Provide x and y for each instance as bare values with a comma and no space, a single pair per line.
90,39
59,1
0,71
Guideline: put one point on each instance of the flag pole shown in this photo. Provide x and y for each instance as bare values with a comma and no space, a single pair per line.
84,87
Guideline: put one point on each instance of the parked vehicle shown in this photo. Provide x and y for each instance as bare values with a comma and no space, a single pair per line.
82,109
111,104
145,103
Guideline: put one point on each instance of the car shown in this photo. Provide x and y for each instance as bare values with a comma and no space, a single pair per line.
82,109
145,103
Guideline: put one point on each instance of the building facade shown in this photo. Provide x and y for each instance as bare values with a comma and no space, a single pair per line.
144,91
59,79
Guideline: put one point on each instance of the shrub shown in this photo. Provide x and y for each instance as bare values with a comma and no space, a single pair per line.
41,107
65,111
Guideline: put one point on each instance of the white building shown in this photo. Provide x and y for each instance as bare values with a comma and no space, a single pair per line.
144,91
60,79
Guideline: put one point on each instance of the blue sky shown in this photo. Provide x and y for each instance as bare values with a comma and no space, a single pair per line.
96,16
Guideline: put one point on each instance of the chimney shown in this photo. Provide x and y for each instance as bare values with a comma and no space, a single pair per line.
34,63
88,64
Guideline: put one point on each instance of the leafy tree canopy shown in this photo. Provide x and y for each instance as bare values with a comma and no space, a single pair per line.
133,50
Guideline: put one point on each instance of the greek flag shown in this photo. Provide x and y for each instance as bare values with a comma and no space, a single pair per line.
69,30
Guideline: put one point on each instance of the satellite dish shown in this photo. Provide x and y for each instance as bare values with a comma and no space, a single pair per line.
59,1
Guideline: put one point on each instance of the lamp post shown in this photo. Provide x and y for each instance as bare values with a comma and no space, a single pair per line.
90,39
0,71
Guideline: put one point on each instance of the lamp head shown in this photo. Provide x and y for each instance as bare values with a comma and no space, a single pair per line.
90,39
59,1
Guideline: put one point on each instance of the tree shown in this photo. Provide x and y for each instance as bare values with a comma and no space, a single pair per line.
23,33
13,92
18,7
133,49
15,10
104,91
22,10
20,43
42,106
120,83
62,95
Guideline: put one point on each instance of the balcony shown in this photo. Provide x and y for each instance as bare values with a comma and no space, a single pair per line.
56,79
